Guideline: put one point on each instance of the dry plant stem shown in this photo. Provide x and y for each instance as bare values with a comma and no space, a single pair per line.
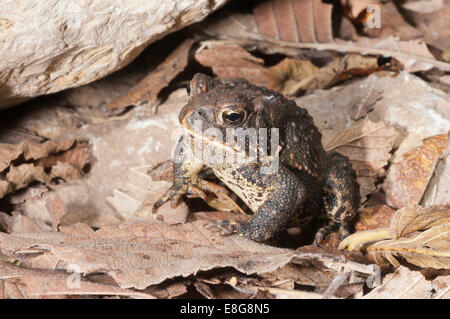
338,281
356,240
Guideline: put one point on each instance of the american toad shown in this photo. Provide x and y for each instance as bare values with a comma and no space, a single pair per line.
281,183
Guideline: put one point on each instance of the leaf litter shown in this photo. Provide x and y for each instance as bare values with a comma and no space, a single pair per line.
392,125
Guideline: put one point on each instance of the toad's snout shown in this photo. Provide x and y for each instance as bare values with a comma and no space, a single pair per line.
195,118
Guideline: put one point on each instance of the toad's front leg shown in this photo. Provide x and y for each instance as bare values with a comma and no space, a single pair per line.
186,177
287,194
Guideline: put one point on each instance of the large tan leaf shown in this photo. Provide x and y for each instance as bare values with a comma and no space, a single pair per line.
141,254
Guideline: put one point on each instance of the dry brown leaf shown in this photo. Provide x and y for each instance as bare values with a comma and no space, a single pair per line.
234,61
413,54
407,284
150,86
407,179
18,282
410,219
77,157
368,147
141,254
296,21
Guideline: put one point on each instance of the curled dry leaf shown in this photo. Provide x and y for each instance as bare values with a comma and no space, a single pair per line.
410,219
148,88
345,68
407,180
296,21
367,145
427,249
288,73
63,159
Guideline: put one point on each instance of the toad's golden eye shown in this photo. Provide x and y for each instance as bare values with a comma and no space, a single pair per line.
233,116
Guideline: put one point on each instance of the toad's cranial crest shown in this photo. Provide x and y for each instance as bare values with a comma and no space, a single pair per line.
307,181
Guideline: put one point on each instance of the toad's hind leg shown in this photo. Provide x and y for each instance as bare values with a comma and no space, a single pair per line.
340,196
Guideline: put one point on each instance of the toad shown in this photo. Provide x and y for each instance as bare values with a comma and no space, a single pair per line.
268,151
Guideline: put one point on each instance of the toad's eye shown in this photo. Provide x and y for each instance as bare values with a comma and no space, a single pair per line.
233,116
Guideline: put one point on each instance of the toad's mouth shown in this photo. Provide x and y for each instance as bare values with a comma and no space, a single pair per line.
199,133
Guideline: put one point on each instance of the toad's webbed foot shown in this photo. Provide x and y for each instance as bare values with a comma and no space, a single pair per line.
225,227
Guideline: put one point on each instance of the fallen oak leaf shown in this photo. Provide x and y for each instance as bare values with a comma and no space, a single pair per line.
149,87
